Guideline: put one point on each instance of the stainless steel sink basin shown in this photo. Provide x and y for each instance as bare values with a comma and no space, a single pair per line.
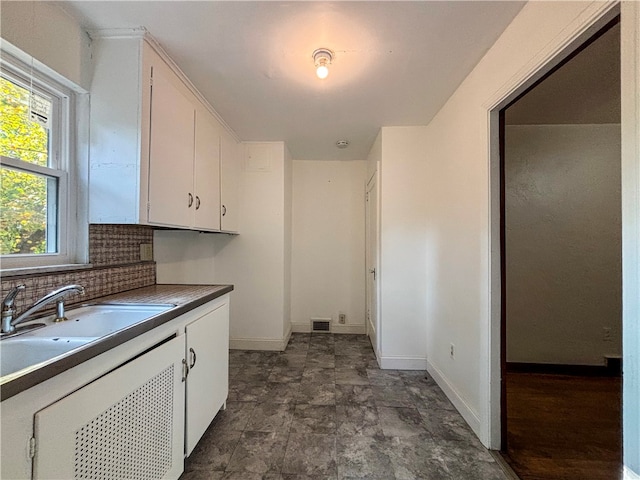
85,324
21,352
100,319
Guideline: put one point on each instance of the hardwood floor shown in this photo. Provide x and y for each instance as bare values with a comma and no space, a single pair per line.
564,427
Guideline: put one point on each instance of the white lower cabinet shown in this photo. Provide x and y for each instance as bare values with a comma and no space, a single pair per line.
132,412
208,378
127,424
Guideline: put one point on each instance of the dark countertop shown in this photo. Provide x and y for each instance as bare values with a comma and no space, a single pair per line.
185,297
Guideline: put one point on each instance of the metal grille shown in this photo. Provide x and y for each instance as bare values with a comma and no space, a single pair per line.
132,438
320,325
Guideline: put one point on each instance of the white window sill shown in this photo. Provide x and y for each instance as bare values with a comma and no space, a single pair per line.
23,272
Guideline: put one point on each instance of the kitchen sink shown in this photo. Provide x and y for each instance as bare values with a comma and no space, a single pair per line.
99,320
85,324
21,352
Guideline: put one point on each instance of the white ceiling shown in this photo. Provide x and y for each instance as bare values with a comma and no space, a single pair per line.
396,63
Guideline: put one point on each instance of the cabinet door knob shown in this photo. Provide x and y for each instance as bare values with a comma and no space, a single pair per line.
197,202
190,200
224,210
193,357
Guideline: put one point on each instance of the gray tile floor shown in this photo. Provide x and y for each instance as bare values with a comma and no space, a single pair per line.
324,410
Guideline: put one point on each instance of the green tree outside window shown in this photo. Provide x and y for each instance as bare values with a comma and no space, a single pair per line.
23,195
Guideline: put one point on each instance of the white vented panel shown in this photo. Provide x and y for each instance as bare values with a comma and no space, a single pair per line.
132,438
125,425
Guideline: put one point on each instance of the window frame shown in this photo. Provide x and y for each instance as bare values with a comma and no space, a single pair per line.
62,140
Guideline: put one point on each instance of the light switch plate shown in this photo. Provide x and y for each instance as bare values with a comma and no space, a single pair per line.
146,252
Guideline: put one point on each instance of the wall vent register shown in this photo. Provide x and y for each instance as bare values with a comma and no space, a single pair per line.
321,325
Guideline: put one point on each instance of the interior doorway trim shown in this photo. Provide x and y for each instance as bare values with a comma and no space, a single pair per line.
595,16
372,262
630,95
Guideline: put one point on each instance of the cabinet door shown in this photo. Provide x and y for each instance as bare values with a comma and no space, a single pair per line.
208,379
126,424
171,197
229,178
206,177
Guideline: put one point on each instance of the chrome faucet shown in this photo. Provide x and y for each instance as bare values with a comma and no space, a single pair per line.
7,308
9,323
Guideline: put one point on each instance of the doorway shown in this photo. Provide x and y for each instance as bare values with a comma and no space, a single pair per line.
561,268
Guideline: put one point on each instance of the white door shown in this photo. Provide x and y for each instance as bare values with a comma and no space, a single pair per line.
208,379
371,246
229,176
171,196
206,175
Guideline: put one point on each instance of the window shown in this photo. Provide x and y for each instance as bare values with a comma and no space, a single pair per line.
37,180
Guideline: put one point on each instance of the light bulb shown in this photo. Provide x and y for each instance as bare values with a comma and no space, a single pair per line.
322,58
322,71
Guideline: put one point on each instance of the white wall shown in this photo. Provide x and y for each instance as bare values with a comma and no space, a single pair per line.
563,243
328,271
184,257
402,273
52,37
255,261
459,199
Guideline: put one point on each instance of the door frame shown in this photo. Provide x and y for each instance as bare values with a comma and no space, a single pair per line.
503,205
372,214
595,17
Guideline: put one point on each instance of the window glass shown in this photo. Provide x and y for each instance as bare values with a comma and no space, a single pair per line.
29,175
40,158
24,124
27,211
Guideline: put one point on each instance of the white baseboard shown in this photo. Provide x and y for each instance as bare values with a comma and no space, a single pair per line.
287,336
470,416
269,344
403,363
301,327
305,327
352,329
372,328
630,474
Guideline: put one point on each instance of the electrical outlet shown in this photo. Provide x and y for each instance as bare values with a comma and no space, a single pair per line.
606,334
342,318
452,350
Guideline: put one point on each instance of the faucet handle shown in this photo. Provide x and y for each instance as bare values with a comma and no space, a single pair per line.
7,303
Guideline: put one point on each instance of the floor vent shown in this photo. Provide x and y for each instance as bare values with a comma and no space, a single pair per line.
321,325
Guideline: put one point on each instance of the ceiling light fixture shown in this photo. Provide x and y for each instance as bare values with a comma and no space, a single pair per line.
322,58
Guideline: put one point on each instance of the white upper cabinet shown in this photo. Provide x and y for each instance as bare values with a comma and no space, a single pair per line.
171,151
155,156
206,172
229,177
